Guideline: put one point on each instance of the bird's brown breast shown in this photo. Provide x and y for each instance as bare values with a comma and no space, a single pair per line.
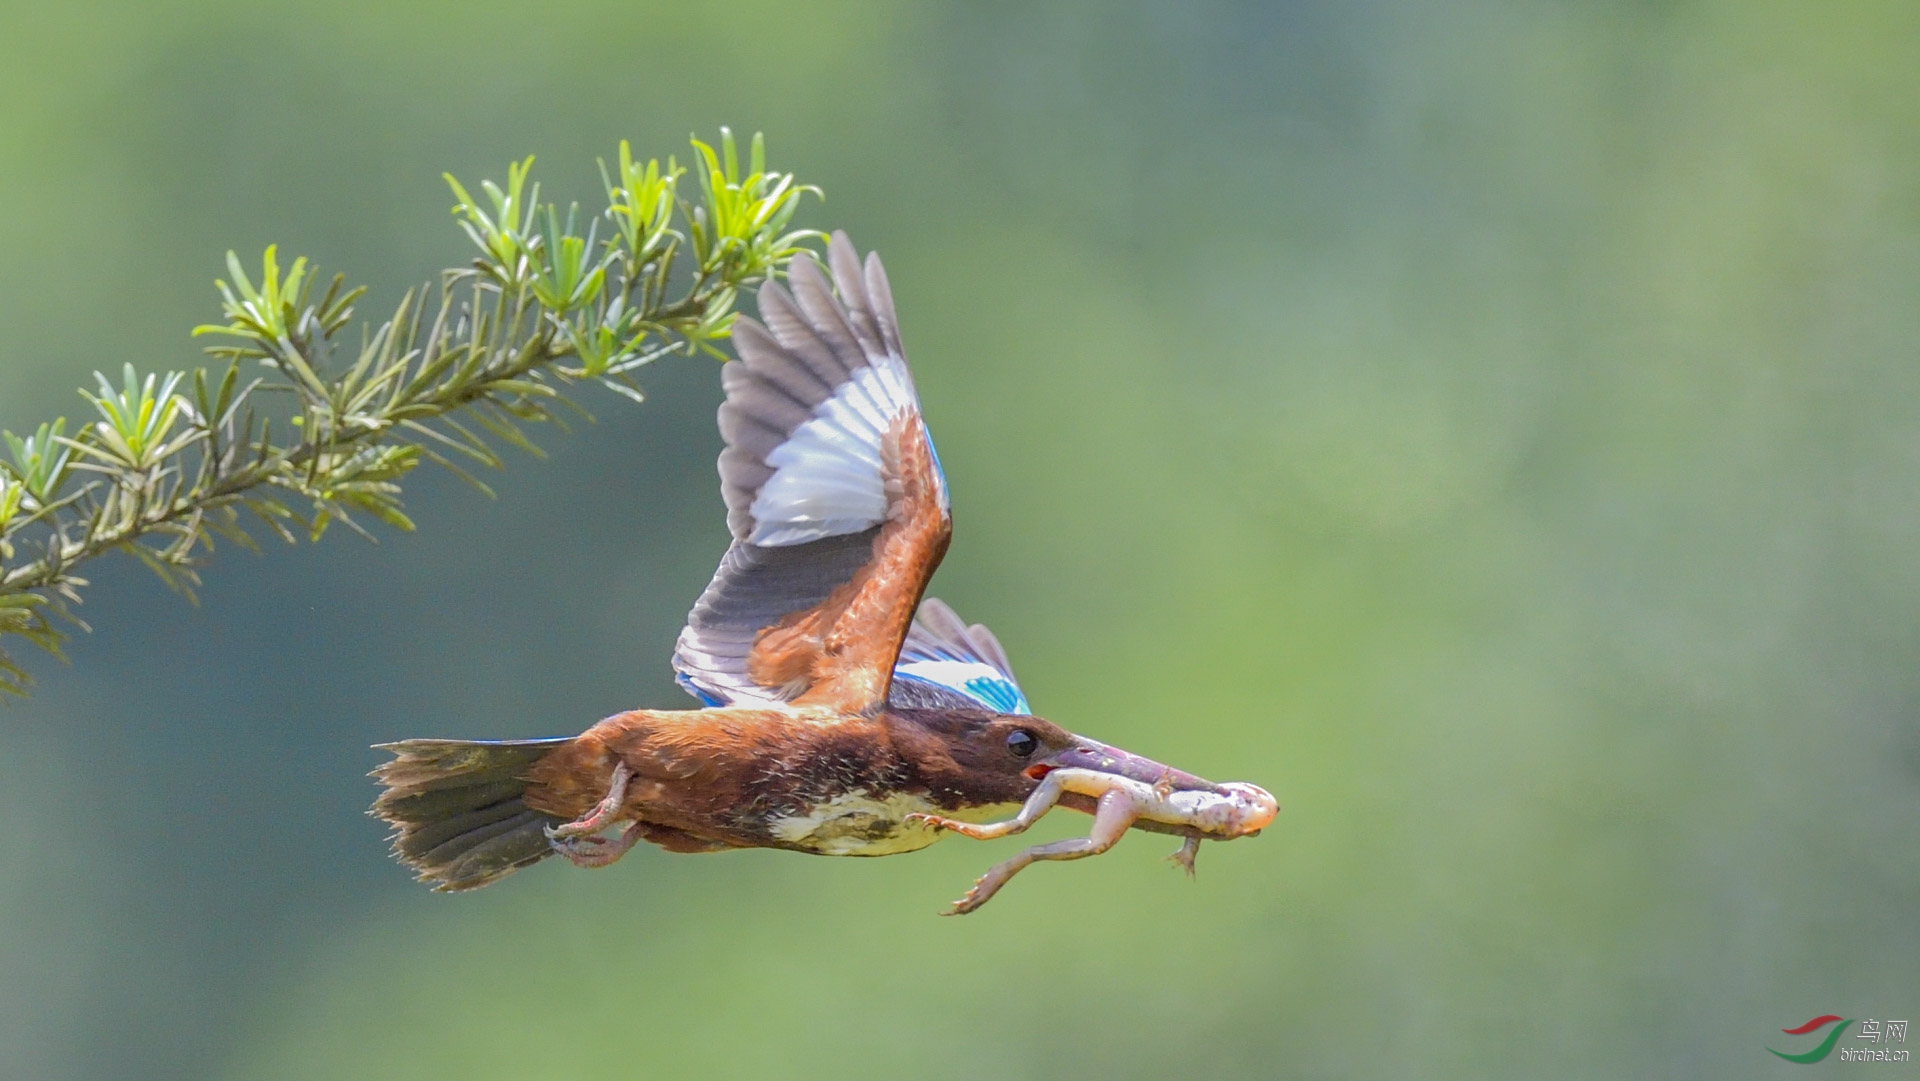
791,778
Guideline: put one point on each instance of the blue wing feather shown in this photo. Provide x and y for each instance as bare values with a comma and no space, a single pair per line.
943,654
706,697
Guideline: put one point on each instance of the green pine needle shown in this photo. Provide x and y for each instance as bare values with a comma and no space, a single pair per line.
174,459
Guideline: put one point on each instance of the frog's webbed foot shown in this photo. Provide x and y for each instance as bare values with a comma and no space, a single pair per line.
1163,788
1184,857
1116,812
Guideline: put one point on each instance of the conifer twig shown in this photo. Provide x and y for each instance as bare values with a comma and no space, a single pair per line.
326,432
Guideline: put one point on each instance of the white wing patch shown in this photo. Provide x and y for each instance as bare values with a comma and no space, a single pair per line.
827,478
977,680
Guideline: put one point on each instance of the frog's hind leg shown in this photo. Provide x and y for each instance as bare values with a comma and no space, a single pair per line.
1043,800
1116,812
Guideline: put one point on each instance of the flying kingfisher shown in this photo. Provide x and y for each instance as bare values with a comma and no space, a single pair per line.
841,714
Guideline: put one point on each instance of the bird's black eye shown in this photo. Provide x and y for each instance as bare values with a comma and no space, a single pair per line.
1022,743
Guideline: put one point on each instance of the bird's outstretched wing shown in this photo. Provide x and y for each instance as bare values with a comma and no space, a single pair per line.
834,496
945,664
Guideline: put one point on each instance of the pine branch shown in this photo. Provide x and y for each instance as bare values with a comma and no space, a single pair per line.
328,432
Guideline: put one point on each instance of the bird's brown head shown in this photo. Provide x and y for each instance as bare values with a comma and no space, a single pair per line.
977,759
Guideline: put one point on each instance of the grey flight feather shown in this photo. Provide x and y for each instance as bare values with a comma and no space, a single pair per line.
806,359
880,297
755,586
815,296
793,362
938,630
847,275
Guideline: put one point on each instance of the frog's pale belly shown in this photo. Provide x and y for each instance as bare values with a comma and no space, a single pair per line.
858,824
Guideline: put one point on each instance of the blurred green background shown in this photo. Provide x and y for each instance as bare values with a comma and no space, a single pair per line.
1494,428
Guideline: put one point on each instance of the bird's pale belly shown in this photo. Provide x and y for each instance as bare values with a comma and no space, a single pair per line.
858,823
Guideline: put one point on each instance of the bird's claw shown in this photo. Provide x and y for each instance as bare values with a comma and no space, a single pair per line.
580,841
603,812
931,821
587,851
593,850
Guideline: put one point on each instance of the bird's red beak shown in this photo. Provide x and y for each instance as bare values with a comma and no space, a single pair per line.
1094,755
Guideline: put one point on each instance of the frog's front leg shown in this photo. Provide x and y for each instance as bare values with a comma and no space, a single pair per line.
1043,800
1116,812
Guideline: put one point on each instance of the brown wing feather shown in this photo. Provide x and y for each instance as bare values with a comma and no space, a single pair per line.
840,653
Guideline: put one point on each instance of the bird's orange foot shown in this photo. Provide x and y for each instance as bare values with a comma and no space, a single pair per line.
602,814
592,850
964,828
938,822
1184,857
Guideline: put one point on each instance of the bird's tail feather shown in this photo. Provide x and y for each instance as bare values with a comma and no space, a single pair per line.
457,811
